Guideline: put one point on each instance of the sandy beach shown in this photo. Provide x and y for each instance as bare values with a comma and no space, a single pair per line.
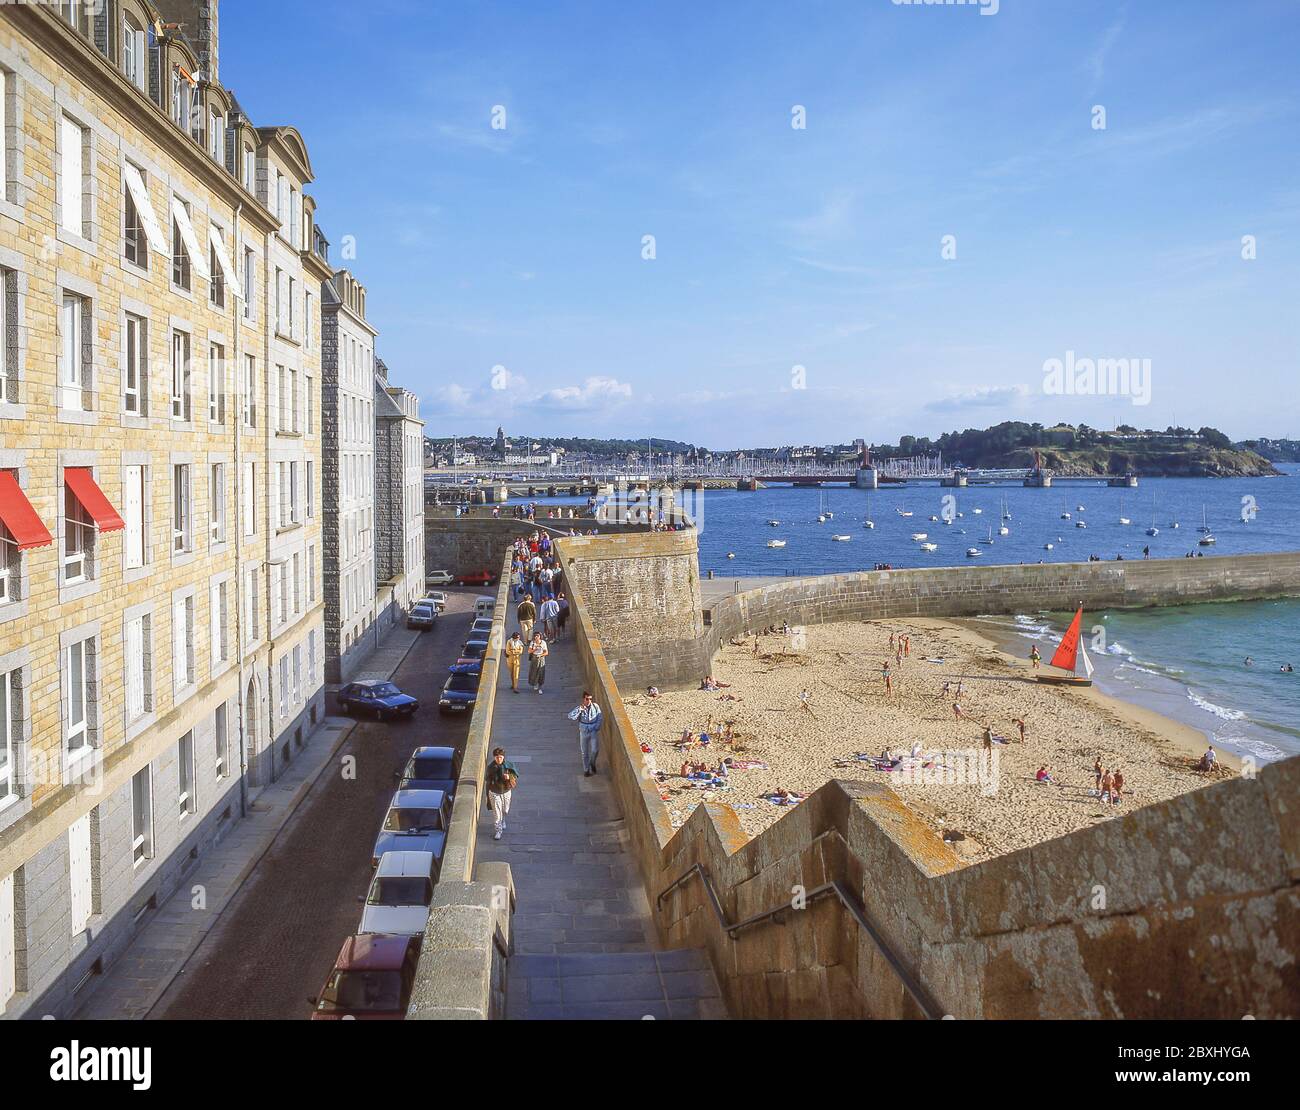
984,804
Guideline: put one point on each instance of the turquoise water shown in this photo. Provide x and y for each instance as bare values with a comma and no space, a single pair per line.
1188,663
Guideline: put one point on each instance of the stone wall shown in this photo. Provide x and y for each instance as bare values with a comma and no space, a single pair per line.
1189,908
466,544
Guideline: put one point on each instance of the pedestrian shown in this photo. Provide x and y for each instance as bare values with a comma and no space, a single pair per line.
1019,722
501,780
589,717
956,710
907,646
514,652
537,653
563,618
1034,657
1117,782
888,677
527,614
988,739
1097,771
550,610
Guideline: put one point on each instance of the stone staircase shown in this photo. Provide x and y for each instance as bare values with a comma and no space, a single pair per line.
584,945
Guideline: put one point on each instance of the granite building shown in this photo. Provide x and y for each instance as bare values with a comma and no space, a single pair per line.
161,614
399,490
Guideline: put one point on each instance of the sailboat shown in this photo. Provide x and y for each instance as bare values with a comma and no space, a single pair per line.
990,539
1122,518
868,523
1153,530
902,511
1006,510
1068,653
842,539
776,543
1006,515
1205,524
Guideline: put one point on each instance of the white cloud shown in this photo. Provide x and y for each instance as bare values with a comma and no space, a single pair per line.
594,393
986,397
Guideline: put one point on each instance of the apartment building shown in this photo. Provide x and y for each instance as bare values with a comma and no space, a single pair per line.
399,490
348,407
161,616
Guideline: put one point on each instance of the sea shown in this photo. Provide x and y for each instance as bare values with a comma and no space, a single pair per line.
1185,662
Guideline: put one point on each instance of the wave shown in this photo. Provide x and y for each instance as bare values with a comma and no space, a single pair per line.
1222,712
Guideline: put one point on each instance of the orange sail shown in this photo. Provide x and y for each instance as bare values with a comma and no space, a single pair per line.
1069,647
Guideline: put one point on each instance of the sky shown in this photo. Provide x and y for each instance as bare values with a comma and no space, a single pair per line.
973,194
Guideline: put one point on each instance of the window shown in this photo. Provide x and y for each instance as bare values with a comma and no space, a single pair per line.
293,217
221,734
249,494
309,421
297,673
134,55
216,380
272,190
284,686
281,291
282,201
311,656
135,365
296,570
135,242
139,667
217,286
254,610
311,577
294,402
250,391
8,319
180,376
183,642
185,801
74,367
217,501
250,169
79,873
217,136
72,179
283,575
78,681
5,122
141,816
282,400
292,297
220,618
78,539
307,320
250,276
311,490
180,100
10,724
196,114
182,509
180,257
134,500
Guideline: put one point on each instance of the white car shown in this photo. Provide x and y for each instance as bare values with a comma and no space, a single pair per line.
400,893
436,598
439,578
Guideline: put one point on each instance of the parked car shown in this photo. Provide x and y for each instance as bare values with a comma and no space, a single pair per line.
481,624
473,648
460,691
371,979
484,606
431,768
472,666
422,615
399,895
439,578
376,696
416,821
476,578
436,598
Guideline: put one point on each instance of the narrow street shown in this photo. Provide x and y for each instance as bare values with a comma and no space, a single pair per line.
277,940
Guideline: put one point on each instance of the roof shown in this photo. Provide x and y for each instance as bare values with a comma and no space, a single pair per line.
404,865
434,752
373,952
418,799
372,682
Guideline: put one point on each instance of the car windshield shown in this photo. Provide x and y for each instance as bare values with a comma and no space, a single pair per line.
462,683
412,820
399,891
383,690
363,990
432,769
424,610
473,650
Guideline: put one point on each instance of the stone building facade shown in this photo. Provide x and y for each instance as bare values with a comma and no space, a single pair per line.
161,615
399,490
348,406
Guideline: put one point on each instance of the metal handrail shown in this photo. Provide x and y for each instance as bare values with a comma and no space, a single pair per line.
915,990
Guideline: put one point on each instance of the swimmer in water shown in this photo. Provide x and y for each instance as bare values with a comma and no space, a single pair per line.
1286,668
1249,661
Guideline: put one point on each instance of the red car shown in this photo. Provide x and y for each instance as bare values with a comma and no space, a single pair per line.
371,980
477,578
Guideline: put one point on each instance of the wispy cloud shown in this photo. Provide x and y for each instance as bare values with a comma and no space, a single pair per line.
987,397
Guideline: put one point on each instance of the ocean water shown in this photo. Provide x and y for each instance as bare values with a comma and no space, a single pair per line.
1188,662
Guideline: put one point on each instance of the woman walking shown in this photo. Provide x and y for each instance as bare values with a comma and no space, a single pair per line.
537,653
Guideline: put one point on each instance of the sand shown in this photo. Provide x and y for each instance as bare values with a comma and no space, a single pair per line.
983,805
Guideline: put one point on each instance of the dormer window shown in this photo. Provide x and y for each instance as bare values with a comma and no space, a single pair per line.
134,52
217,136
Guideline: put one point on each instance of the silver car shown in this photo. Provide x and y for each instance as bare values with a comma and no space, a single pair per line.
400,893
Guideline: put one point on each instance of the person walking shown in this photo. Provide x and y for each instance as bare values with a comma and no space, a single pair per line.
537,653
526,611
1034,657
501,780
550,610
589,717
563,617
514,652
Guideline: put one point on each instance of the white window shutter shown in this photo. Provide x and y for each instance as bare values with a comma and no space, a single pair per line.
135,668
79,873
134,508
140,195
178,643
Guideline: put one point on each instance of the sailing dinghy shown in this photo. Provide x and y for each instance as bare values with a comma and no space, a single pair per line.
1068,653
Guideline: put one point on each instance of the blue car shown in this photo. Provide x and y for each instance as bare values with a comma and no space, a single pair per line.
376,696
459,692
431,768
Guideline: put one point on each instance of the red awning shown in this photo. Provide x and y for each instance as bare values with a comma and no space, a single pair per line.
92,498
19,516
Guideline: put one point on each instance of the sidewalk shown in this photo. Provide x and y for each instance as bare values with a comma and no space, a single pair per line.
134,982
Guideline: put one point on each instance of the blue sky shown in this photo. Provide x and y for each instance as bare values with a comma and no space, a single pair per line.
775,247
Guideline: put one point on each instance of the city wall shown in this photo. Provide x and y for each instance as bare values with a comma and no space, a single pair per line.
466,544
1187,908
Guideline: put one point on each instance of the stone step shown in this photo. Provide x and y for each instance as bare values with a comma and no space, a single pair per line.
613,985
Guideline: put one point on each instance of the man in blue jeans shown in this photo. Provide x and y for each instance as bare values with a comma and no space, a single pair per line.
589,717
